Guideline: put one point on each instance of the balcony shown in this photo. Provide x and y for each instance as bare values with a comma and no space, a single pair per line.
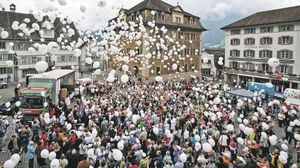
259,73
285,61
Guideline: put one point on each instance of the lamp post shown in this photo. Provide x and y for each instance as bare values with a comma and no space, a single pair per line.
16,67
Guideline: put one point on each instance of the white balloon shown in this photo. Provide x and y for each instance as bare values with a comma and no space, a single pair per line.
45,104
54,163
273,139
15,26
155,130
110,79
35,26
183,157
52,47
120,145
89,60
273,62
43,49
217,100
102,3
248,130
4,34
158,79
90,152
124,78
15,157
18,103
284,147
77,52
297,136
62,2
206,147
197,146
9,164
211,142
197,138
283,159
230,127
7,104
125,68
97,72
174,67
82,8
52,155
96,64
240,141
117,154
43,93
45,153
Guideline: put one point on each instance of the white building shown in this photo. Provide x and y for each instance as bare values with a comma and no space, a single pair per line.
251,41
15,46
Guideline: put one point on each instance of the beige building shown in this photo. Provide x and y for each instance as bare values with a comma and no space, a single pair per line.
182,27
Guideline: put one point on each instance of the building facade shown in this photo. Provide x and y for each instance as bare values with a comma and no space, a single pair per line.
22,44
173,18
252,41
210,67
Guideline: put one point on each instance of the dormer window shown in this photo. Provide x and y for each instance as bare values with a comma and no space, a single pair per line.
178,19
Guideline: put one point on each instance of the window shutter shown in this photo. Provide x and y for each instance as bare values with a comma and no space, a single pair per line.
270,68
238,66
238,41
260,68
260,54
245,41
261,40
230,64
279,40
252,66
279,54
291,40
290,69
245,53
291,54
271,40
231,53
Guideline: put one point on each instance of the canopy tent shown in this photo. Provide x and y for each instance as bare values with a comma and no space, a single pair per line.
242,93
293,101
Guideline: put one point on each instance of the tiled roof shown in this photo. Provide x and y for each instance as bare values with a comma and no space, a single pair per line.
7,18
157,5
284,15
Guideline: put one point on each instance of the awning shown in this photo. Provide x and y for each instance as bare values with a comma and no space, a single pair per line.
242,93
293,101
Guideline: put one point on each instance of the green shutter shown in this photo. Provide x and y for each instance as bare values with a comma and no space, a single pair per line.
291,54
279,54
290,69
291,40
261,40
279,40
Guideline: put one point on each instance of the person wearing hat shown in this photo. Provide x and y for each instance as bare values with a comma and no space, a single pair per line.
30,154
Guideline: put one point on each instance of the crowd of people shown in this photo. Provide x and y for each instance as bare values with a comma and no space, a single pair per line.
166,124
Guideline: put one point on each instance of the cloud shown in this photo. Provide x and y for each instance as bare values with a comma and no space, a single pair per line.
96,17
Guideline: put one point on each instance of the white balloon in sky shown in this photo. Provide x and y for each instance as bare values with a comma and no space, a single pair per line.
89,60
4,34
82,8
43,49
102,3
35,26
77,52
96,64
41,66
52,47
62,2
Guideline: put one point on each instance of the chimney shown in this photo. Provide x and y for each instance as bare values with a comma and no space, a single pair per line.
12,7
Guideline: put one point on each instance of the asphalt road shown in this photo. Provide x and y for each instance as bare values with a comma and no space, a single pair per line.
6,93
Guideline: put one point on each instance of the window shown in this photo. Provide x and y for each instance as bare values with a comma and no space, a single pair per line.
249,41
38,59
33,60
179,35
249,53
71,58
249,30
48,59
233,65
265,67
45,33
266,40
284,69
178,19
234,53
23,60
285,54
162,17
28,71
186,51
63,58
235,31
286,28
193,36
187,36
193,51
265,54
157,70
267,29
6,70
285,40
235,41
2,45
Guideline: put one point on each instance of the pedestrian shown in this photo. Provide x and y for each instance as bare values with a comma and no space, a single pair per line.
14,144
30,154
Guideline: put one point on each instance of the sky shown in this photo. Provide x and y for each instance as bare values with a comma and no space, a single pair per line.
214,14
